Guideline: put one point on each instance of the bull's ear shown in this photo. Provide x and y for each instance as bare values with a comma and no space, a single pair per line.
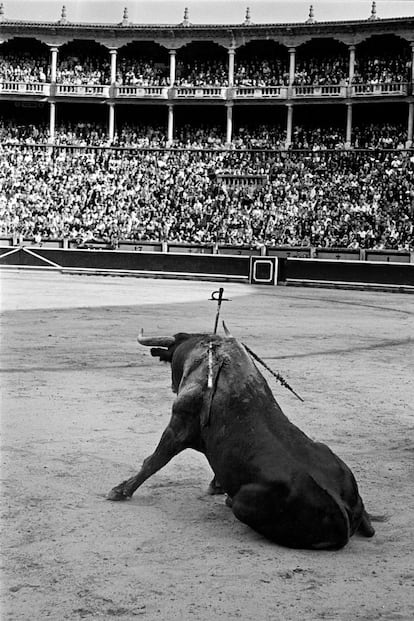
163,354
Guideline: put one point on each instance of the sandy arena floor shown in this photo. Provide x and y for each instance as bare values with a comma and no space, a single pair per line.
82,405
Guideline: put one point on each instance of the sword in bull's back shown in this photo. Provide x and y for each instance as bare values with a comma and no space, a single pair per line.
217,296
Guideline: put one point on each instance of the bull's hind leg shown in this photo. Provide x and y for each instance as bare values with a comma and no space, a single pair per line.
181,433
215,487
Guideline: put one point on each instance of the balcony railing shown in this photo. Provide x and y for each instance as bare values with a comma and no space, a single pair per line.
260,92
82,90
326,91
379,90
24,88
200,92
142,92
319,90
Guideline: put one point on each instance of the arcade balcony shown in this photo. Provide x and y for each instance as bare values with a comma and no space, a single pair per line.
115,93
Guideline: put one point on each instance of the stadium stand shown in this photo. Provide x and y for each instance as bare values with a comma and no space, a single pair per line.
301,138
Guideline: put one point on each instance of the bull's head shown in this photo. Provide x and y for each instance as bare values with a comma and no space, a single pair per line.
171,349
161,346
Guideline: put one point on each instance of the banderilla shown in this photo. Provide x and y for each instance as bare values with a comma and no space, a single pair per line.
274,373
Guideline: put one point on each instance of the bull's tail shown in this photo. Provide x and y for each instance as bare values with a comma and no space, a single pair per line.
365,527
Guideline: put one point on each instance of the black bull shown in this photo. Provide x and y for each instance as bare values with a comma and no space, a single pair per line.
287,487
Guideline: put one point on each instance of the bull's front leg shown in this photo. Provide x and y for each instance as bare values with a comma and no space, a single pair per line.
182,432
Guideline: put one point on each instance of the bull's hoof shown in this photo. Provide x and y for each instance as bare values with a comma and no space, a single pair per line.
118,493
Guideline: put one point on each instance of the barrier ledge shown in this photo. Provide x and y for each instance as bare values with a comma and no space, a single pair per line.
357,261
350,285
149,274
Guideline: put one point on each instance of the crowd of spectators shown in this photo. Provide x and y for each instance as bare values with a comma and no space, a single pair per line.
211,72
317,71
203,135
388,69
78,71
141,72
249,71
257,71
326,199
23,68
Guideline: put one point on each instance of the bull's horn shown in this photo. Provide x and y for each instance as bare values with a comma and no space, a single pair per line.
227,331
155,341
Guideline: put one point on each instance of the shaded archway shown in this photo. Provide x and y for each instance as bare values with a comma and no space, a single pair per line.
382,127
261,63
382,58
83,62
321,61
24,121
260,127
143,64
202,63
24,60
319,127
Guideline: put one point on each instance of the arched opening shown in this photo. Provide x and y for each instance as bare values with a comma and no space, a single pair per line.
24,60
382,58
24,122
319,127
83,62
202,64
143,64
261,63
84,124
261,127
321,61
140,126
379,127
200,126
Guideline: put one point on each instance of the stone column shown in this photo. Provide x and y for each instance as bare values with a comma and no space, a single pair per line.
348,137
170,131
52,121
351,63
53,63
289,125
229,123
113,52
232,53
292,65
172,67
409,142
111,124
412,63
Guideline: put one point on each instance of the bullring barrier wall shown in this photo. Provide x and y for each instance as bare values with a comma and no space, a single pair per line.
254,268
